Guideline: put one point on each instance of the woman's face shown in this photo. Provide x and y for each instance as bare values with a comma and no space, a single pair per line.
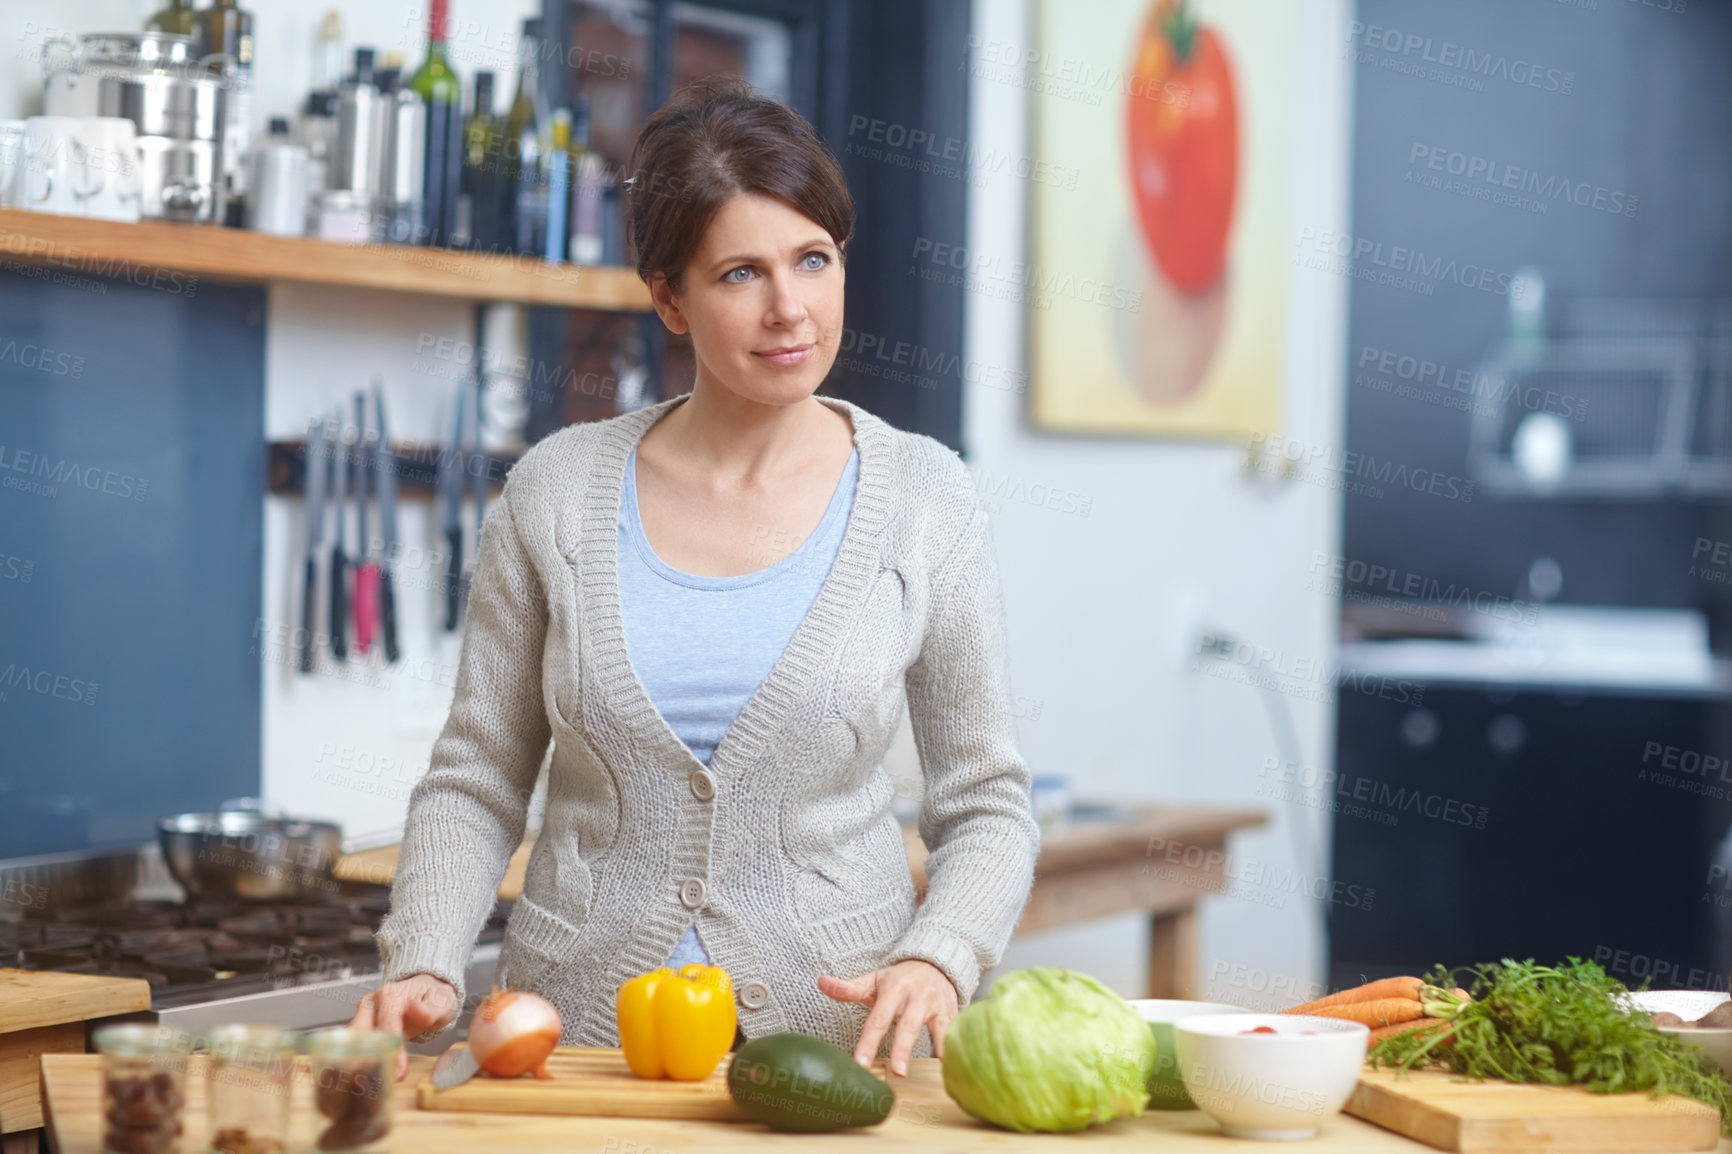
762,300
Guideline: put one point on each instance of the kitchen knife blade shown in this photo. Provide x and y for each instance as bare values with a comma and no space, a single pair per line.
479,472
451,512
367,575
387,480
313,497
454,1067
339,563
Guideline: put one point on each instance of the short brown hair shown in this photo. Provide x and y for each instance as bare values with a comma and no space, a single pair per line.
715,140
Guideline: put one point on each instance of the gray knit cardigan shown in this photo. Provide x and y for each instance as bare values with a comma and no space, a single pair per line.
784,851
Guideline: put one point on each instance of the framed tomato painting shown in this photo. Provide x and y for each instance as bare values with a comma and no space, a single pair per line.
1156,284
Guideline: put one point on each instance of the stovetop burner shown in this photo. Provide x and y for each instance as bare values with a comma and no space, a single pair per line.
207,949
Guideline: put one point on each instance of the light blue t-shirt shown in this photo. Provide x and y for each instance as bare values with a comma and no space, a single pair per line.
701,646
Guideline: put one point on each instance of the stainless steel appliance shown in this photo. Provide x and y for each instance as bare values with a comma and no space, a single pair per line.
402,168
177,103
300,964
355,166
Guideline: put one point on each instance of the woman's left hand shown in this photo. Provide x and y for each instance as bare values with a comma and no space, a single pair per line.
913,993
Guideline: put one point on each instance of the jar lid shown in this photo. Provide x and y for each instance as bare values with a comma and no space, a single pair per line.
345,1042
137,1040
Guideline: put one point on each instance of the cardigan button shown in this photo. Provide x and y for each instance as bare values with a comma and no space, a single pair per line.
703,784
753,995
692,893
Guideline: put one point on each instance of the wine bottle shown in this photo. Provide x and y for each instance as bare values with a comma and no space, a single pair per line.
559,160
524,195
441,93
478,187
589,177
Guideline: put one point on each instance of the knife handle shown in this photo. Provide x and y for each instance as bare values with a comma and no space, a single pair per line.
366,604
388,614
339,606
309,627
453,577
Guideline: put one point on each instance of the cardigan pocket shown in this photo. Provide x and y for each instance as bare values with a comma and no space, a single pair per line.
853,943
537,941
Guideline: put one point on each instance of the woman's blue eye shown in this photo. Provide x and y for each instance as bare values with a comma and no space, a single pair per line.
732,279
817,256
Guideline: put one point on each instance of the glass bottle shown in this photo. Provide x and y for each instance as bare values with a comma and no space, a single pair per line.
178,18
588,188
227,29
524,195
328,53
559,161
441,92
478,187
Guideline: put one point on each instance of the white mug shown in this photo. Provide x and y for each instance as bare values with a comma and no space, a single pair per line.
106,178
45,172
11,162
80,166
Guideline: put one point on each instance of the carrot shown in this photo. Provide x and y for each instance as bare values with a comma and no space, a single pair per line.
1382,1012
1403,987
1383,1032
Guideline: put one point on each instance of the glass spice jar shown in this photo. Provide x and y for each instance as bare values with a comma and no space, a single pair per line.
353,1074
143,1087
249,1078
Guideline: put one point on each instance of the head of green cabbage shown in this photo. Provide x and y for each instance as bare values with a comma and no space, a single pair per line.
1049,1049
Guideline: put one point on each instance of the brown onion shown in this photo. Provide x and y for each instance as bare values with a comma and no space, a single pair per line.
513,1032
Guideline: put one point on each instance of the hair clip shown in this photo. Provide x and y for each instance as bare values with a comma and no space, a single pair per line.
629,185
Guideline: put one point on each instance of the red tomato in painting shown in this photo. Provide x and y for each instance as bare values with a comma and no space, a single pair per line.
1183,137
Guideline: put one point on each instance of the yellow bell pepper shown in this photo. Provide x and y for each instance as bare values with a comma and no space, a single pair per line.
676,1025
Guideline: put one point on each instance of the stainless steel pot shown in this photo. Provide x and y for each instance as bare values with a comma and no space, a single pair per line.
246,850
71,68
165,104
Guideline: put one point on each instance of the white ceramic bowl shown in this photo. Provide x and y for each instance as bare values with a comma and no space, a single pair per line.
1279,1085
1690,1005
1166,1090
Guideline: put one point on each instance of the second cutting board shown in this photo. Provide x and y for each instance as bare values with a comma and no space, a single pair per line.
1518,1118
597,1082
589,1081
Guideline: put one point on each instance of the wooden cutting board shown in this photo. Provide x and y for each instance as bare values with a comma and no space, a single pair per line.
1436,1108
588,1081
29,999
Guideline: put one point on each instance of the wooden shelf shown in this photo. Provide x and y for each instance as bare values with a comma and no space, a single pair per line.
102,247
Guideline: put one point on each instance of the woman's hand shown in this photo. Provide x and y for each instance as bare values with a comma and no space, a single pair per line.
914,991
410,1007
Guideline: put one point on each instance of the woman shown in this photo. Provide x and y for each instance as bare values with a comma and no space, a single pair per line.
714,608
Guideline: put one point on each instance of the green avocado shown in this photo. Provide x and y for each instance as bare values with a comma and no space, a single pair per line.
797,1082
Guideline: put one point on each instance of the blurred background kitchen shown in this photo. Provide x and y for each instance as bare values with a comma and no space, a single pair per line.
1349,384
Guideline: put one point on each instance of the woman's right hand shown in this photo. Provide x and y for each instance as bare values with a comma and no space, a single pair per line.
408,1007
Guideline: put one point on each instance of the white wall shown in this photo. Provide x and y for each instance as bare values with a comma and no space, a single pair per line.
1104,609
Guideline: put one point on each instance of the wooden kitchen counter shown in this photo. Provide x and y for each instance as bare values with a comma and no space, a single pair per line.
1158,860
925,1121
46,1014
